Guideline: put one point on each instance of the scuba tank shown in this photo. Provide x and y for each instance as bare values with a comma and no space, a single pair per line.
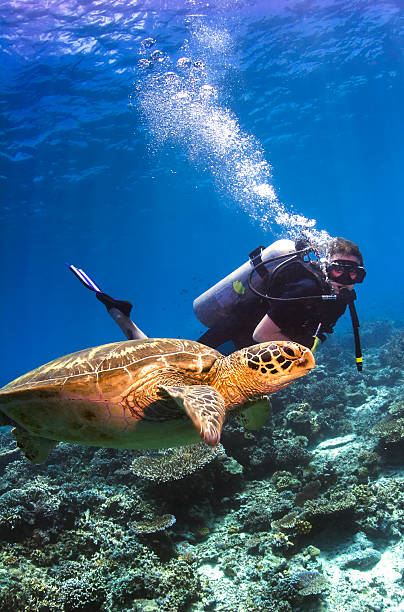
218,305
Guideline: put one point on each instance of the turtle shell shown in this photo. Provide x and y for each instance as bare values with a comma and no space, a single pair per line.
98,396
109,360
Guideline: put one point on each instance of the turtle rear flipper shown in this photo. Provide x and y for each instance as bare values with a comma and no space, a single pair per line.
204,406
35,449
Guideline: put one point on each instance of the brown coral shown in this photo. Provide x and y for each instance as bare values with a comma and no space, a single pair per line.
175,463
284,480
292,524
303,527
390,430
362,493
157,523
337,503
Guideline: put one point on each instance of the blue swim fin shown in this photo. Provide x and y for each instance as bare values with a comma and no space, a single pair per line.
84,278
108,301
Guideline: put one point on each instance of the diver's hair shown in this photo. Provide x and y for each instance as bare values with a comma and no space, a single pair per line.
344,247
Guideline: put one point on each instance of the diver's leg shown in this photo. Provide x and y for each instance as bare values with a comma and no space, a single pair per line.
214,337
118,309
229,337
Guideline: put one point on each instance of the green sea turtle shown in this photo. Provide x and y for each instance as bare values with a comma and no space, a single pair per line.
153,393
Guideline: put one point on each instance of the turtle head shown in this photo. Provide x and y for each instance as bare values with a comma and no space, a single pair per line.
270,366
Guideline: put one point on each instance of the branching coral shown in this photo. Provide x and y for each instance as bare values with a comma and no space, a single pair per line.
77,594
363,494
292,452
302,420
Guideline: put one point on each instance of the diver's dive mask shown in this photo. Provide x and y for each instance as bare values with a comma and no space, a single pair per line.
345,272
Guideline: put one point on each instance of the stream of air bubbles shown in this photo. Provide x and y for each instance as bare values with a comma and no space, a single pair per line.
180,103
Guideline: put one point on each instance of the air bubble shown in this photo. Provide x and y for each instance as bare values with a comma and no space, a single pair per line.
207,91
144,63
184,62
169,79
148,42
170,75
181,95
157,55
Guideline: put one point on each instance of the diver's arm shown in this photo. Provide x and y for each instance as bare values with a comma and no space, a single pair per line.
267,330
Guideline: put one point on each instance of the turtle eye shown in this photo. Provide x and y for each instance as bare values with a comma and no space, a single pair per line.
291,351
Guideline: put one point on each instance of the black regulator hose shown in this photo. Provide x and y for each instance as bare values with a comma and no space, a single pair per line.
349,296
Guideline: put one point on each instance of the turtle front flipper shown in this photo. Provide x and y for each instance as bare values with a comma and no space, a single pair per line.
35,449
204,406
254,415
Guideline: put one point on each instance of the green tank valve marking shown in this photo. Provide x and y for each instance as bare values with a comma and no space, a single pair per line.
239,287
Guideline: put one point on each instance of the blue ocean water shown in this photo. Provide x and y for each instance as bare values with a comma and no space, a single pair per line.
155,144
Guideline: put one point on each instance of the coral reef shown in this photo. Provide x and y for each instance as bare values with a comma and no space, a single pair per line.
305,514
391,354
390,430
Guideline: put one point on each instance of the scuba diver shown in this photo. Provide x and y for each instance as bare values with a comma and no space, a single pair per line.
283,292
